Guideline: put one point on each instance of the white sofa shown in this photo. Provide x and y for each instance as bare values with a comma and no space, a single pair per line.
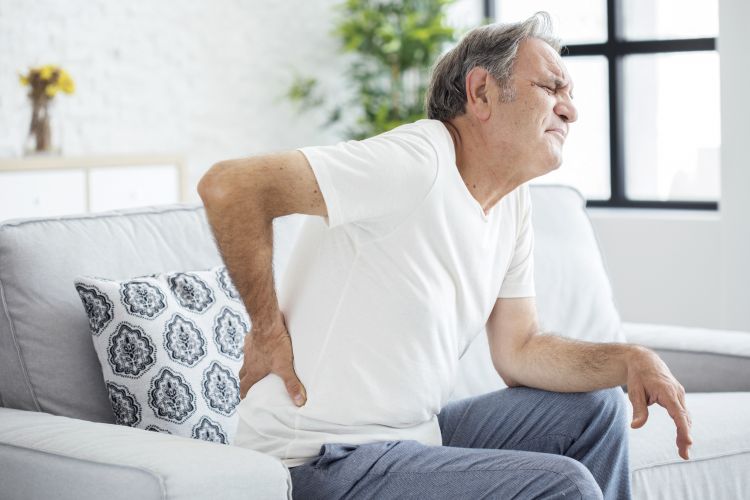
58,440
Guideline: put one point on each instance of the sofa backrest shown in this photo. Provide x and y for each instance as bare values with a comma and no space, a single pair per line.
47,360
574,294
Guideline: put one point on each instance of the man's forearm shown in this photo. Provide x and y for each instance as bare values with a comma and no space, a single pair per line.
560,364
244,235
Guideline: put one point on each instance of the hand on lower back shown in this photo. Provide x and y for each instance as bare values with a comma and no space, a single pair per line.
267,352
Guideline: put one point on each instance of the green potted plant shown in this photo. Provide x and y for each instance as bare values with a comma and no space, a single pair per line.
394,44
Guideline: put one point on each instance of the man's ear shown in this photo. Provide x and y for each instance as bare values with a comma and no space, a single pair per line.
477,93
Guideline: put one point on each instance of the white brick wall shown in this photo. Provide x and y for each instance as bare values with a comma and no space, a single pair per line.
203,79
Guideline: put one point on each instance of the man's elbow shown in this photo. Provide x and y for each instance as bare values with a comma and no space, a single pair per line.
510,382
504,375
211,184
510,364
513,383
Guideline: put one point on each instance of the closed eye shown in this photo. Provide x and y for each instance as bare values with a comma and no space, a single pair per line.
546,88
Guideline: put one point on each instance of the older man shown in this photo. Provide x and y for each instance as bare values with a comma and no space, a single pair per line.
424,237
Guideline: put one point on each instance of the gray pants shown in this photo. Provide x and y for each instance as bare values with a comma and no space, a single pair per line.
513,443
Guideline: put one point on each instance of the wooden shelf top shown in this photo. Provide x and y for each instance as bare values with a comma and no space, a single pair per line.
55,161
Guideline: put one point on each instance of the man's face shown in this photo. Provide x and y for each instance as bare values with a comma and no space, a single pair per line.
535,122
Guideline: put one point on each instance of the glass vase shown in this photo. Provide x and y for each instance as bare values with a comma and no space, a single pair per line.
41,137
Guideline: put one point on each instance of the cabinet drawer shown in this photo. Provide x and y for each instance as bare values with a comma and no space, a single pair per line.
42,193
133,186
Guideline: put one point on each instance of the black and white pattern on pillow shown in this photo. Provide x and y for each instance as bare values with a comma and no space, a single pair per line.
170,397
229,333
170,347
142,299
127,411
98,307
130,352
183,341
221,389
226,284
156,428
191,292
209,430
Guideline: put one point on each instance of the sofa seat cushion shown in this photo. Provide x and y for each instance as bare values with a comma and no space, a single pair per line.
719,458
45,456
170,346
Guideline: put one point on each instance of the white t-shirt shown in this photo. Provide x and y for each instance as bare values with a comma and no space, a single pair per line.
382,297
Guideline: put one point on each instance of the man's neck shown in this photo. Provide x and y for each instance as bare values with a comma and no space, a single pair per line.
488,178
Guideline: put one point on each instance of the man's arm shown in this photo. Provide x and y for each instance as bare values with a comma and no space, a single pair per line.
242,197
524,357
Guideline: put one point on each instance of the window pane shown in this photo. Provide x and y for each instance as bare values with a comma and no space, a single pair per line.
586,151
672,128
574,21
666,19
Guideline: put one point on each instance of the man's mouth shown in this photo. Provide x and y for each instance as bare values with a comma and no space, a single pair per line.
559,132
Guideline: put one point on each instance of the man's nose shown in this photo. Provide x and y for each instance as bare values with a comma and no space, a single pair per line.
566,110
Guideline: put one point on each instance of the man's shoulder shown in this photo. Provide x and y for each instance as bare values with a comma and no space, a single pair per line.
415,143
431,130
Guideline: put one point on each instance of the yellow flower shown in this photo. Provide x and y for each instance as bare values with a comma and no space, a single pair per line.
50,90
51,78
68,87
66,82
46,72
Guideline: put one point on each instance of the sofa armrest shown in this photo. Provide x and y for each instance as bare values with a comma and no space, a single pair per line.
47,456
703,360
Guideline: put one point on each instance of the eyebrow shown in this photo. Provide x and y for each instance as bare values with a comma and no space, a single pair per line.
560,83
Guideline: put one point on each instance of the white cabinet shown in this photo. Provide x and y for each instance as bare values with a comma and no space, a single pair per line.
134,186
40,193
44,186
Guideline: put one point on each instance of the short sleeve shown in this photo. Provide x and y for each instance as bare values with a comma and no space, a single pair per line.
519,278
383,177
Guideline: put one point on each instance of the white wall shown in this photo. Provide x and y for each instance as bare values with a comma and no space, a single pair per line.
203,79
734,47
664,265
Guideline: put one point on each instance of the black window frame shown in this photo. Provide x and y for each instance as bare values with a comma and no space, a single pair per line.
614,49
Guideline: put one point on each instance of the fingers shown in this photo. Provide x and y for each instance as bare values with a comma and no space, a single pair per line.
681,397
677,409
649,382
684,439
271,353
675,406
640,408
681,420
294,387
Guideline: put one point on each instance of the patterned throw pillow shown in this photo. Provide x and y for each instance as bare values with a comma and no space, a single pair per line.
170,347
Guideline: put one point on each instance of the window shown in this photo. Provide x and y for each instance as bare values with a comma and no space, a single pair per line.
647,90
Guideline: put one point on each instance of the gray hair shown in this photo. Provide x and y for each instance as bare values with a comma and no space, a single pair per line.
493,47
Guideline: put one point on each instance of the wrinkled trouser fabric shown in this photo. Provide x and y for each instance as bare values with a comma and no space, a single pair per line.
512,443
